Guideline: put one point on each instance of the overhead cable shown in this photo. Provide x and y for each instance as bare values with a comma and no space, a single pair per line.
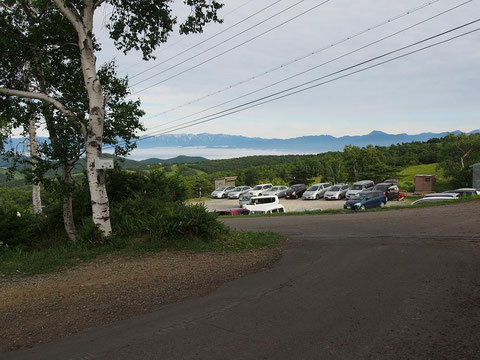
224,52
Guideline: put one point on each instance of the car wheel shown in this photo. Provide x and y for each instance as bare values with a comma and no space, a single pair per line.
363,207
317,197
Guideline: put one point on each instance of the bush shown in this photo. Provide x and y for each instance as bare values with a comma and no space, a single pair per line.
162,220
21,230
88,232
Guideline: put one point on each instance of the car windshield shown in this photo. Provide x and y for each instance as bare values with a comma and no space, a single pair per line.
313,188
221,188
439,195
335,188
237,189
295,187
360,196
263,201
357,187
382,187
275,188
258,187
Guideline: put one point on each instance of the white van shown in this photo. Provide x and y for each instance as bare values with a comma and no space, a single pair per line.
264,205
359,186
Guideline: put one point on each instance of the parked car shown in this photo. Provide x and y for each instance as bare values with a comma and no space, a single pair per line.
364,185
316,191
258,190
464,191
264,205
234,212
235,193
336,192
366,200
391,190
437,197
279,191
391,181
295,191
244,199
222,192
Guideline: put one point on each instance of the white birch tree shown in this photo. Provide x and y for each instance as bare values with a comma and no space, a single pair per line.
140,25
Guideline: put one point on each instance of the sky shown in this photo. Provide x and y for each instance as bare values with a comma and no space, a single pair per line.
432,91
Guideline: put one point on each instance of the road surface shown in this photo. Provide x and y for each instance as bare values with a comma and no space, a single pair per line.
384,285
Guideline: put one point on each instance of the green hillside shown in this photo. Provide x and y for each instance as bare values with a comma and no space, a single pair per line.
407,175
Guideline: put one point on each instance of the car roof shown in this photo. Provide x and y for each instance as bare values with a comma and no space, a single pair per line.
372,192
363,182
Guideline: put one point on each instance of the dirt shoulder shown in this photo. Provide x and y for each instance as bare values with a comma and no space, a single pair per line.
40,308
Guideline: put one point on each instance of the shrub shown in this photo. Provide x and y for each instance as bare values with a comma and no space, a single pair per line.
163,220
87,232
20,230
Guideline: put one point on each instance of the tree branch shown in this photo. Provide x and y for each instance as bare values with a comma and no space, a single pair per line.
38,96
70,14
98,3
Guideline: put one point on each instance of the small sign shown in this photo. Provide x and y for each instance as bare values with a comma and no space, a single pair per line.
102,163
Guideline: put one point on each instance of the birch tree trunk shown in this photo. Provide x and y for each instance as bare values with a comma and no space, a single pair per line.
32,135
94,131
68,206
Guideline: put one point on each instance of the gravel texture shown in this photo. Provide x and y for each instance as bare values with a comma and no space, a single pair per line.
40,308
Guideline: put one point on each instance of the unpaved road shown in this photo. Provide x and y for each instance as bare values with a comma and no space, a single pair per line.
383,285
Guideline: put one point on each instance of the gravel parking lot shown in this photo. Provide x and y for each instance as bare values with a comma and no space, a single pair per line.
290,205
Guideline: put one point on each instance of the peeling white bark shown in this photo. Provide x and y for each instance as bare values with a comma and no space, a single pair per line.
68,207
83,24
32,135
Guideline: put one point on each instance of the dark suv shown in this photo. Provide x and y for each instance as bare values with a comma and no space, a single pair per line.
390,190
295,191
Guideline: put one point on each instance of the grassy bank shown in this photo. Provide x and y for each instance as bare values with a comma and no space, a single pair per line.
406,177
18,262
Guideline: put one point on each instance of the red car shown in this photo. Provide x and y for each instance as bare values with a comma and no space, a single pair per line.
234,212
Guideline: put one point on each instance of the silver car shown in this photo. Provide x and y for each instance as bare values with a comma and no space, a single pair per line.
245,199
279,191
358,187
316,191
222,192
437,197
239,190
336,192
258,190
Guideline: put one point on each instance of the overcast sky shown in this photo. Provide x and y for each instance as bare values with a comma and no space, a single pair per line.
435,90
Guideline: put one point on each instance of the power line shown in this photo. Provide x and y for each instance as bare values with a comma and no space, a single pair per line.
208,39
317,66
293,90
283,65
228,50
183,38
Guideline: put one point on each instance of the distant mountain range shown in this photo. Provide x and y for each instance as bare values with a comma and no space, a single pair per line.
310,144
304,144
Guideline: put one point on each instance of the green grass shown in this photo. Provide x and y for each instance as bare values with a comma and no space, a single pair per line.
18,262
197,199
407,175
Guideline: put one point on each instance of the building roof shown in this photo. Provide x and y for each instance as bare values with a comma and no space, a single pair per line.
474,165
424,175
227,178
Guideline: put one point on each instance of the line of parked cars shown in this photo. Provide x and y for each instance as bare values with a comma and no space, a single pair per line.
264,198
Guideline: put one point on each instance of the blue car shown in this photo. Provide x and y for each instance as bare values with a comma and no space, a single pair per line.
366,200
